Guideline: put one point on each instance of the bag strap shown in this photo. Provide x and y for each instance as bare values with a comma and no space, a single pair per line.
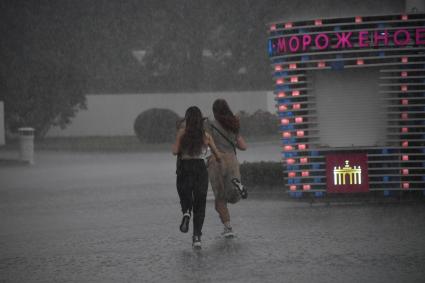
225,137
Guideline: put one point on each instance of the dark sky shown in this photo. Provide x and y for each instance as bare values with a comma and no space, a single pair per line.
97,37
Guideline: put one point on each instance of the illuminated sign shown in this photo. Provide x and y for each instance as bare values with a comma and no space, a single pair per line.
347,172
2,132
354,174
345,40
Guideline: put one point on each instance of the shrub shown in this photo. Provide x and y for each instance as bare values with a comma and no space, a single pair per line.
156,125
262,174
261,123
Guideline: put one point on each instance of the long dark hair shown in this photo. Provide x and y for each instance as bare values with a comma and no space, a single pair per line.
193,138
225,117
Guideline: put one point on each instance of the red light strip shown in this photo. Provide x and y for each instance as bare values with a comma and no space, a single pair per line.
288,148
281,94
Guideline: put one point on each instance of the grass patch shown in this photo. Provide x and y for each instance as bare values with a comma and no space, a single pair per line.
100,143
115,143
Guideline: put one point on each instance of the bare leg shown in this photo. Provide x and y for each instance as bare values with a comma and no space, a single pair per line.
223,211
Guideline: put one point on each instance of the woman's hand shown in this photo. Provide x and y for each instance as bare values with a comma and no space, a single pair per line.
176,146
214,150
240,143
218,157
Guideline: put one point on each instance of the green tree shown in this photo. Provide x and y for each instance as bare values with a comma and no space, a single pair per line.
40,82
174,52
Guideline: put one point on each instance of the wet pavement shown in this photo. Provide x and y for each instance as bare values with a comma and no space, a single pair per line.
114,217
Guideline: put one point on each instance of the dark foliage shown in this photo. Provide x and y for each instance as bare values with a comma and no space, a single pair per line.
42,75
156,125
261,123
262,174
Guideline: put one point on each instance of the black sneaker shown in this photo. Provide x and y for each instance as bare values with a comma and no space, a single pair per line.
242,190
196,242
184,226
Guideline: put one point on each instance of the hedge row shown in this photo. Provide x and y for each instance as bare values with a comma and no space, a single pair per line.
262,174
260,123
158,125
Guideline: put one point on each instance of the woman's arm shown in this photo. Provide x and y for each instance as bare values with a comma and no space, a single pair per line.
240,143
176,145
214,150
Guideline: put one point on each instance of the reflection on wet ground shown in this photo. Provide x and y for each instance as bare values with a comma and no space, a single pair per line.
114,218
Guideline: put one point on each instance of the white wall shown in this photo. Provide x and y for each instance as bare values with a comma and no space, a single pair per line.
114,114
2,134
271,102
349,107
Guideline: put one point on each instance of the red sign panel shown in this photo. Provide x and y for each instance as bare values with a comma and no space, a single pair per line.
347,173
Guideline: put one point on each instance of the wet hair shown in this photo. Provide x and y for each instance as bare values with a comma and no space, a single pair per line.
192,140
225,117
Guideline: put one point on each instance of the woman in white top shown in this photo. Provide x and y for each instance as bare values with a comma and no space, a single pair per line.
192,175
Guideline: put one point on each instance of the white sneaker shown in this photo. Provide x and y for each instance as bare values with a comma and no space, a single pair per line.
242,190
196,242
228,232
